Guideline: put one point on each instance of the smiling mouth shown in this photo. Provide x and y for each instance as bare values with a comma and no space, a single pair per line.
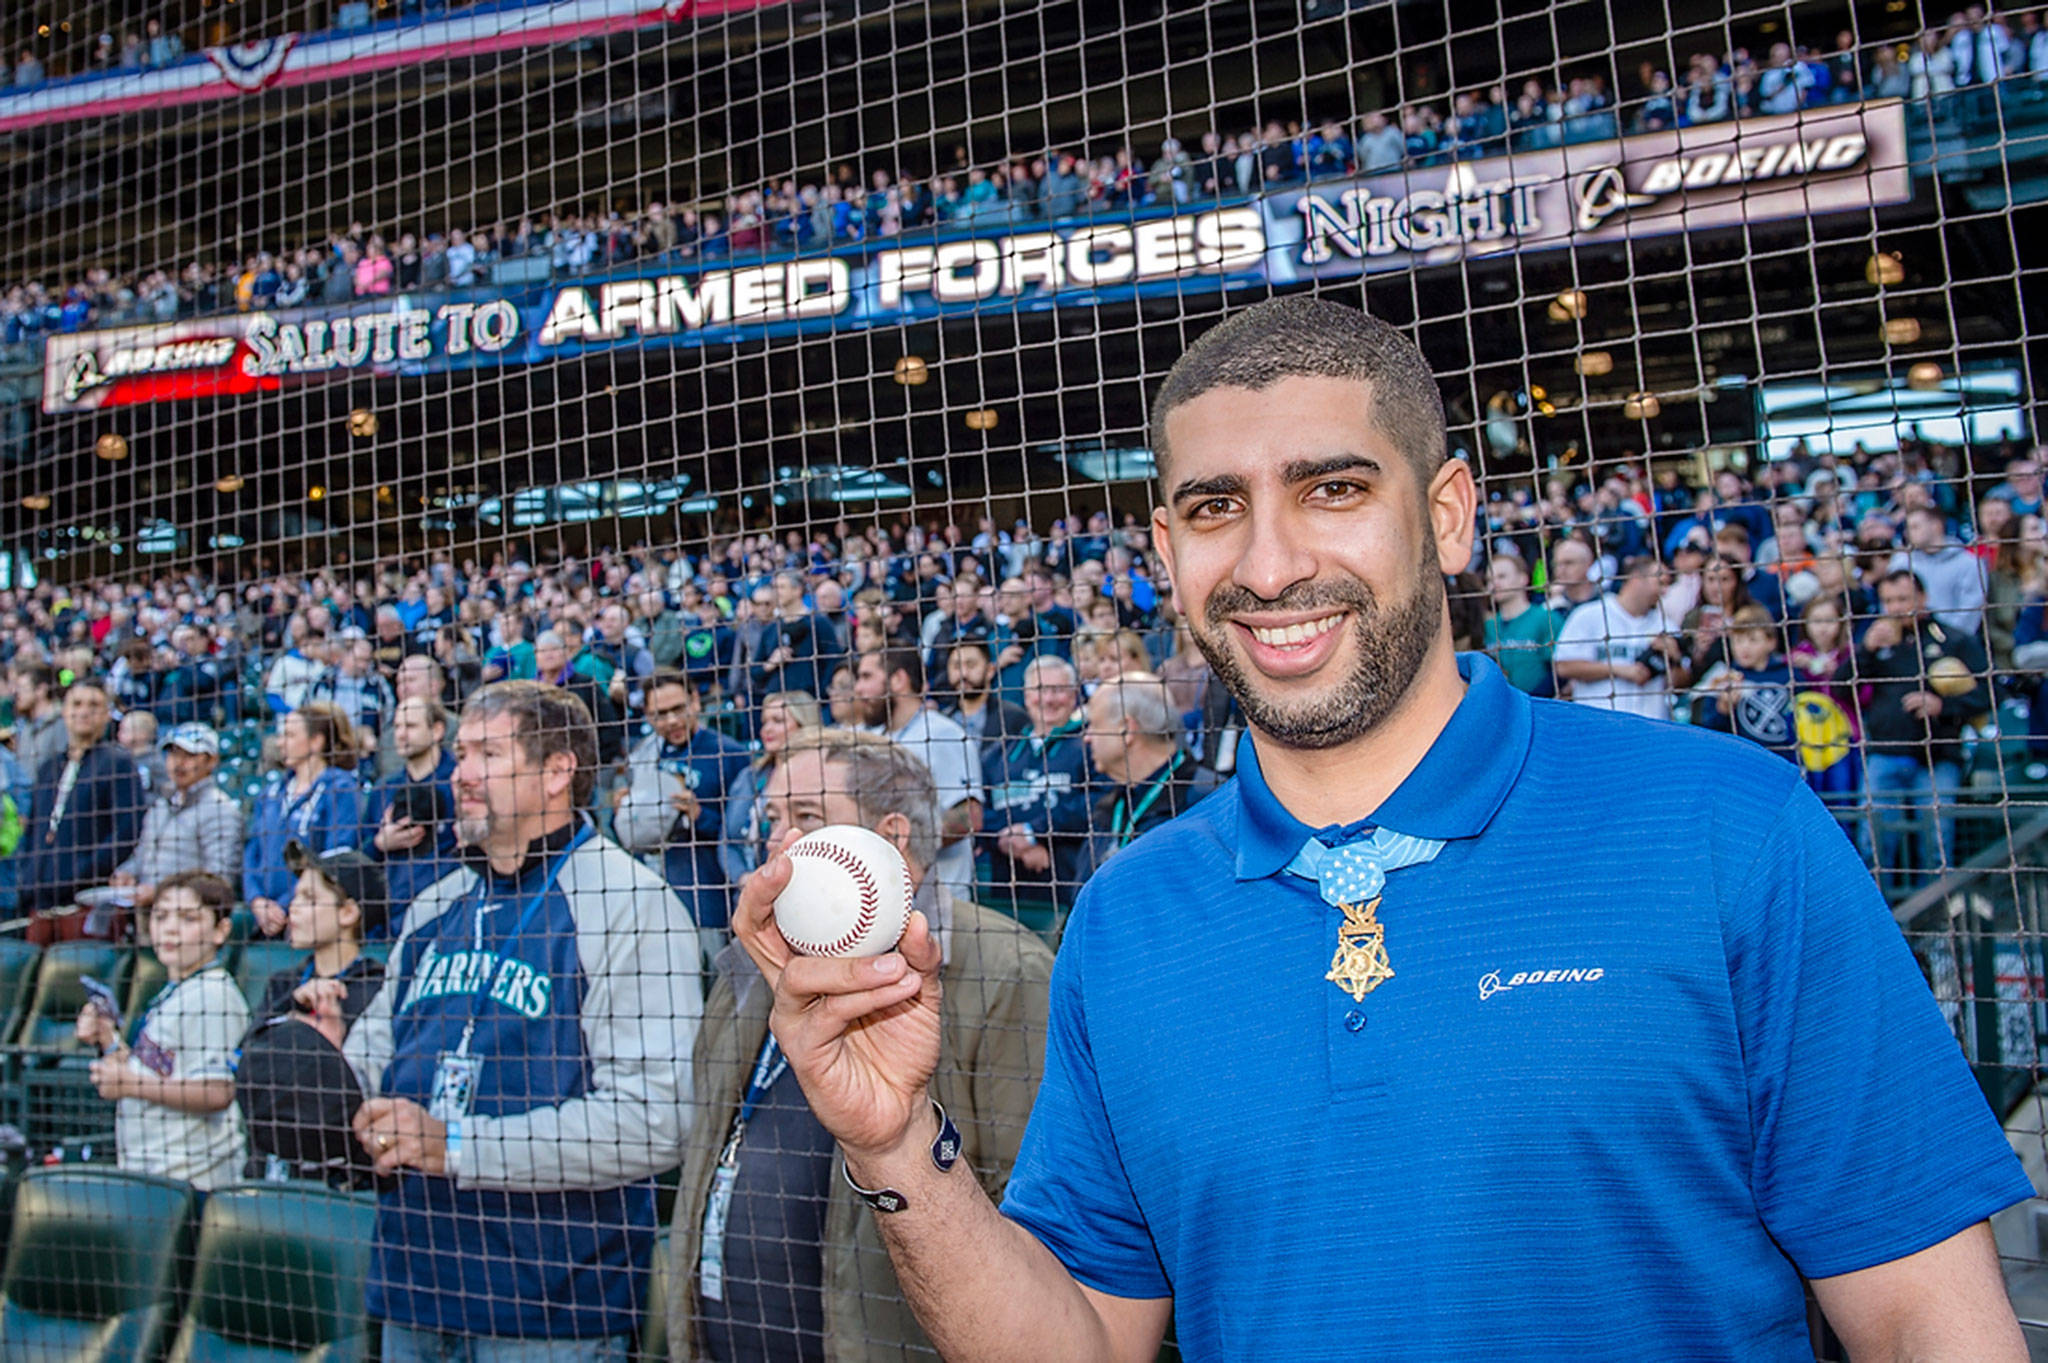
1293,636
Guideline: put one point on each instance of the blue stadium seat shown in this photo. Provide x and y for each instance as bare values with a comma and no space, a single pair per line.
18,962
53,1013
261,958
94,1268
280,1277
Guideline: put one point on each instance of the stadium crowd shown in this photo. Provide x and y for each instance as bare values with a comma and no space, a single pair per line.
1957,66
630,731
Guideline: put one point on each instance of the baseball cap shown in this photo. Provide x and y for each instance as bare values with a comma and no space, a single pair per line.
354,874
193,738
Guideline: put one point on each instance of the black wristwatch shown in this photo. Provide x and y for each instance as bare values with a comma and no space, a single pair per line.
945,1154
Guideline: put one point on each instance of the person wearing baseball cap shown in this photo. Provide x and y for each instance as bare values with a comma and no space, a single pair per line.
193,825
297,1093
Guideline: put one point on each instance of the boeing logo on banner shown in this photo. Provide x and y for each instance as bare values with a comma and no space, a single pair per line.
1852,158
1550,196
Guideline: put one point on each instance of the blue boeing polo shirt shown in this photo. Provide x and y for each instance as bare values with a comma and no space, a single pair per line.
1652,1049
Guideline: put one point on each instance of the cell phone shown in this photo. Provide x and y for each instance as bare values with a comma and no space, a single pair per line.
102,997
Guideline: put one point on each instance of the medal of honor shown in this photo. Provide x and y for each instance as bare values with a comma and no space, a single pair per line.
1360,965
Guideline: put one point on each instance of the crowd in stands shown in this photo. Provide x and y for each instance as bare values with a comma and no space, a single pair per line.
631,731
1627,591
1955,65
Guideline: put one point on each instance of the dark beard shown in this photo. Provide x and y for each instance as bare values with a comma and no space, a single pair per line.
1392,644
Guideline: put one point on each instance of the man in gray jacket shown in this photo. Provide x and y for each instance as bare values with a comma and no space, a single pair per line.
1953,575
529,1057
773,1257
194,824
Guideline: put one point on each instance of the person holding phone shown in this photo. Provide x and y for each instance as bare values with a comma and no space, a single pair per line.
412,809
175,1083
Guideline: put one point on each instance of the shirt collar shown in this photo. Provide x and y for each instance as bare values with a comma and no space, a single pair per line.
1453,792
537,852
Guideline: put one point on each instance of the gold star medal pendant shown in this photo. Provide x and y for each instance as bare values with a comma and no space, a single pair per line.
1360,964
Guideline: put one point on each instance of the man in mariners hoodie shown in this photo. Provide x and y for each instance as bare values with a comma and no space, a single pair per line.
529,1056
1039,789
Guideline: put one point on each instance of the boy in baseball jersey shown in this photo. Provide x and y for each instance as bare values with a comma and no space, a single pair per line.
175,1084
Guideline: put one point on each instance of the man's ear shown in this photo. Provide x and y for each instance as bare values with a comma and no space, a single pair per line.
558,773
1162,546
1453,512
896,828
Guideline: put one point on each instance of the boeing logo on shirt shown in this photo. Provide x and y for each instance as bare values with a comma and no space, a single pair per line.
513,982
1491,983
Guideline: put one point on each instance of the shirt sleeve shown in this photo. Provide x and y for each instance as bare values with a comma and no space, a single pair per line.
1872,1140
1579,642
1069,1187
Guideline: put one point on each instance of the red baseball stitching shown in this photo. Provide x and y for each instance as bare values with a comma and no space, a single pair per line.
870,896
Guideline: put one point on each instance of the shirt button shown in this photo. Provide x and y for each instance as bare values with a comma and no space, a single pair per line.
1354,1021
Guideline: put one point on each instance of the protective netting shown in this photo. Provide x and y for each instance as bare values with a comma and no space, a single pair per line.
756,371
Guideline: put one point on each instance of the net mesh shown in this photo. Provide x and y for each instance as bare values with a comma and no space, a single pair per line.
760,368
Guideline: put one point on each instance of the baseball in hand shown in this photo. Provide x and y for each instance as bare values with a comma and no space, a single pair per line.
848,893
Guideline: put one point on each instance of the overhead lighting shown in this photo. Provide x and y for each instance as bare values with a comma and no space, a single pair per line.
1885,268
111,447
37,501
982,419
1568,306
1924,376
362,422
1641,406
911,370
228,482
1901,330
1594,363
315,493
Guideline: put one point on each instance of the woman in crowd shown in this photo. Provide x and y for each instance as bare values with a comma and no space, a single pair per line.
1824,701
1722,593
2006,570
782,714
312,801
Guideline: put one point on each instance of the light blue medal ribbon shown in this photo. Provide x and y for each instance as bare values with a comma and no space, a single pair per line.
1356,873
1352,878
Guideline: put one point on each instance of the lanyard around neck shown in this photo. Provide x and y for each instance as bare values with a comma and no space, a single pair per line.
477,899
1123,820
769,1066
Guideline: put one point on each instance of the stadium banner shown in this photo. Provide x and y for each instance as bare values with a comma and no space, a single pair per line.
1851,158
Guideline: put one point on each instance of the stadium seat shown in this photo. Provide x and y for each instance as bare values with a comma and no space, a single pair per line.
18,962
146,975
654,1325
261,958
58,994
279,1278
93,1273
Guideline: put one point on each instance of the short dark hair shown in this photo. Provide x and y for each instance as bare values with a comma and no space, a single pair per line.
215,895
668,676
548,720
1301,336
88,682
37,673
904,658
1903,575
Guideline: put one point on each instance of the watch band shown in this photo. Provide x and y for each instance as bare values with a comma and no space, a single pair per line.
945,1152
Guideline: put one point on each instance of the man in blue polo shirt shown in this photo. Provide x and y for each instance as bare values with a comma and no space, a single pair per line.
1358,1059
